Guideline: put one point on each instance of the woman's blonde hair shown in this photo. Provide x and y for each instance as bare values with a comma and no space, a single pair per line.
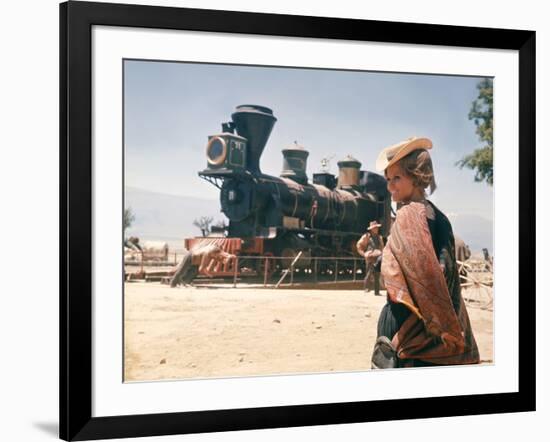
418,166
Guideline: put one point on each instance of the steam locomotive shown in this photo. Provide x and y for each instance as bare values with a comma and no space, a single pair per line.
282,216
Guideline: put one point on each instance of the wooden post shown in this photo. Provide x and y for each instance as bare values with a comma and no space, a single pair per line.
235,272
336,270
265,270
315,269
354,269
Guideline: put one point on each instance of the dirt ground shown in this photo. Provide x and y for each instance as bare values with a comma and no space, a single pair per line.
220,331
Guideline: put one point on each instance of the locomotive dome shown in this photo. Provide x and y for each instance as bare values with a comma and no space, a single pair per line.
295,163
349,173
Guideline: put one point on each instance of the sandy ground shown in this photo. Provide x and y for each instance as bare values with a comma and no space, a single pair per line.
220,331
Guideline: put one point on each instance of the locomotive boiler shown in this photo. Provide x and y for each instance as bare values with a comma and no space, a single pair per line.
283,215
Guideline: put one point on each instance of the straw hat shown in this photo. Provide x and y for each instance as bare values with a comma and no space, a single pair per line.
392,154
374,224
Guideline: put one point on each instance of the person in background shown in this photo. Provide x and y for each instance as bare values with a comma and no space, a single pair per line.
462,250
424,322
488,260
370,246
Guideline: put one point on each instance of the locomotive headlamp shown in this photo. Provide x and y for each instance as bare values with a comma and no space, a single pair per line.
216,151
225,154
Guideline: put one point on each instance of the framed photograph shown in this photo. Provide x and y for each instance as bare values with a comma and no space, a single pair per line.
250,205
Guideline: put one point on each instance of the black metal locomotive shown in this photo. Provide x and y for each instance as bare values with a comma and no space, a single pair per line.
280,216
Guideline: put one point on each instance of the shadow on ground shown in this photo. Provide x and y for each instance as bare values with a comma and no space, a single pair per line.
51,428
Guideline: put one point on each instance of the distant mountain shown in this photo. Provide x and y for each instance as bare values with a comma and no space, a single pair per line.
476,231
169,218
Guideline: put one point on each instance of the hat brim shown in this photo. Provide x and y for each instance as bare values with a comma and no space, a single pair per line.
400,150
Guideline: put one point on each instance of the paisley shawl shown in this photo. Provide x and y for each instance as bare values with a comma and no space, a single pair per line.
436,332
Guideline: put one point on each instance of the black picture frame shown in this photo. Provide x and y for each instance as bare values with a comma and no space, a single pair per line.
76,21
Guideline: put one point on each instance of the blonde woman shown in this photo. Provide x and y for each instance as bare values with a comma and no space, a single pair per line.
424,321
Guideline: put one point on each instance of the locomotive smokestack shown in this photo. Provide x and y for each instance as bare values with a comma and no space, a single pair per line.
349,172
295,163
255,124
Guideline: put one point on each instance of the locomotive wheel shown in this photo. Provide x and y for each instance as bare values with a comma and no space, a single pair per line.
477,290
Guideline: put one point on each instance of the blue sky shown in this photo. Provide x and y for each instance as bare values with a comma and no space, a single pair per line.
171,108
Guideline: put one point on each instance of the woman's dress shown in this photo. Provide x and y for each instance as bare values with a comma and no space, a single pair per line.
425,316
